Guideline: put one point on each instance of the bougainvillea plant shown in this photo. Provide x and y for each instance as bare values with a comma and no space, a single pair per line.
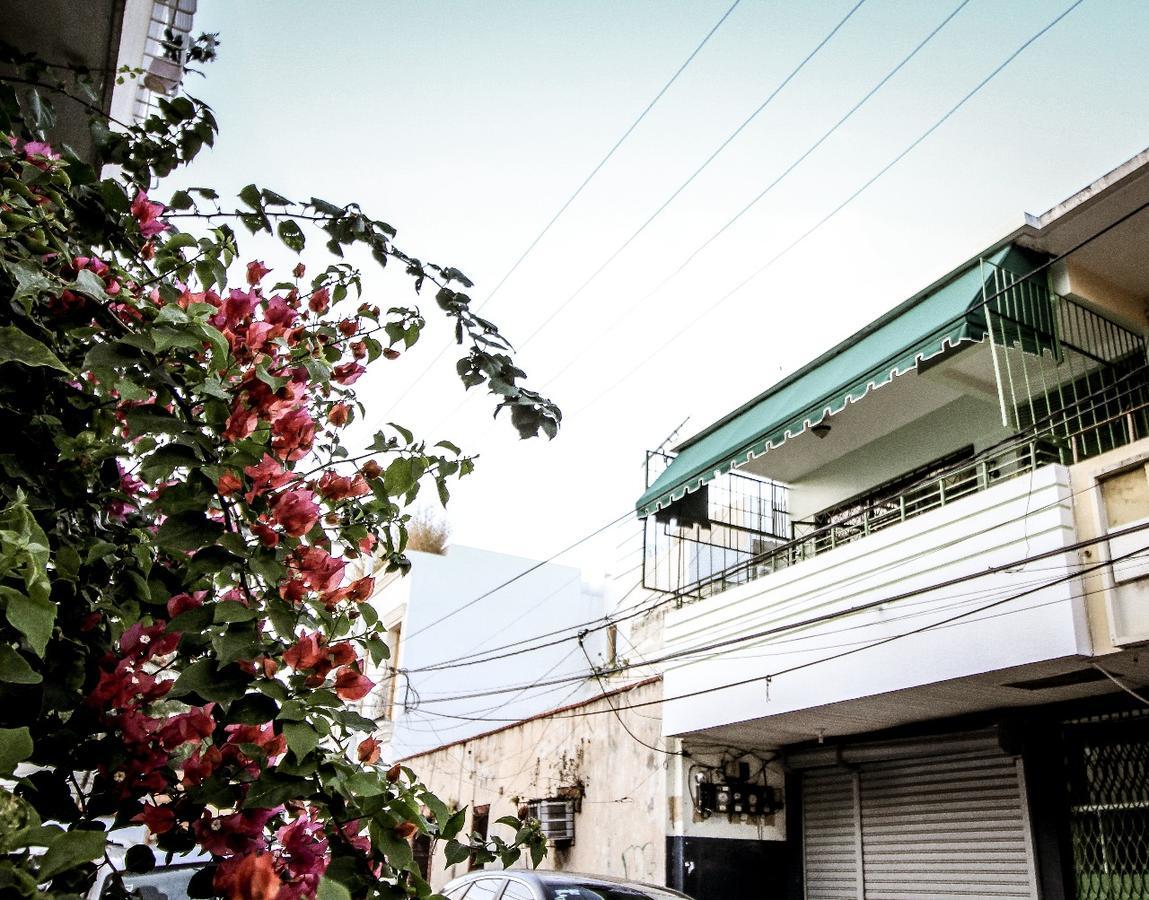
182,642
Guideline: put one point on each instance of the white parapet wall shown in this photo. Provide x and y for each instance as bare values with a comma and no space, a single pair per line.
1010,521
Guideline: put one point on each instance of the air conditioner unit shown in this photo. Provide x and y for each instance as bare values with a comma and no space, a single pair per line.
557,818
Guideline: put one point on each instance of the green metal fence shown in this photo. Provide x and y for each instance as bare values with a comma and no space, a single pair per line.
1107,764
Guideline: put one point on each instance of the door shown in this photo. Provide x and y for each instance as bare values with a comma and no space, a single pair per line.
946,825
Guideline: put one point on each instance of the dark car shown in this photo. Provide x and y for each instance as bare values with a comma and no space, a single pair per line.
516,884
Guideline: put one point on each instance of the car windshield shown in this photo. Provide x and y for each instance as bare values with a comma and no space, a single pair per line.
604,891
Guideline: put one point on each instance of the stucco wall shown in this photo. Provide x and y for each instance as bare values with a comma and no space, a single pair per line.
621,828
1089,522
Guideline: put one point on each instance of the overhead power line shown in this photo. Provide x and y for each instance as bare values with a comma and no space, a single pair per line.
835,615
651,356
698,171
1037,270
527,571
674,195
877,643
569,632
629,310
571,199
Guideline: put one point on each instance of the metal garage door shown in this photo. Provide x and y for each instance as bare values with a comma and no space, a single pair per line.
951,825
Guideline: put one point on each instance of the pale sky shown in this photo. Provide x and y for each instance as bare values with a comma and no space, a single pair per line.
467,125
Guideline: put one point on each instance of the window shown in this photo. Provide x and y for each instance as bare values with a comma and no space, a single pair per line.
599,891
480,817
516,890
456,893
1125,496
485,889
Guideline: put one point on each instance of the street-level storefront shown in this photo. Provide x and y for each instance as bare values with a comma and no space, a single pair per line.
940,819
1055,806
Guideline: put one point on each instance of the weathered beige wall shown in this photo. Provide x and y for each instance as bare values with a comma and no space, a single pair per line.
621,829
1073,279
1088,520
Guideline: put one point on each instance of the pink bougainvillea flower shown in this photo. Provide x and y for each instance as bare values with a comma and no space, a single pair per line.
305,653
352,685
296,511
262,737
240,832
200,765
228,483
319,301
338,415
267,536
347,373
368,751
147,213
41,149
293,434
248,877
184,728
339,487
181,603
157,819
266,475
255,271
279,312
319,569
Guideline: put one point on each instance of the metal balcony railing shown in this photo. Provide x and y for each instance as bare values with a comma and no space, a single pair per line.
1115,416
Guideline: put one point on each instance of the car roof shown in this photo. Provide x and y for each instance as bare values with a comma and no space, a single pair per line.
551,877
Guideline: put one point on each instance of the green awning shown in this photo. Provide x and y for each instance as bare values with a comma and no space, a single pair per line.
944,315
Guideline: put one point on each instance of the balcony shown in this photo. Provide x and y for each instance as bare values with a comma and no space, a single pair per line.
1069,383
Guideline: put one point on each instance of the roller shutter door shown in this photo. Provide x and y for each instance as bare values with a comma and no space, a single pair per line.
830,834
939,826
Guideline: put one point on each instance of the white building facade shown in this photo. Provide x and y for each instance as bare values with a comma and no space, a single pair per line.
910,579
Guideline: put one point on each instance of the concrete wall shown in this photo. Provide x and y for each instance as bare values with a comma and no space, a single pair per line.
621,829
1013,519
1104,603
1070,279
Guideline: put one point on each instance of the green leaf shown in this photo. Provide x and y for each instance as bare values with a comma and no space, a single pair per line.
456,853
31,615
397,478
329,889
188,531
205,678
89,284
18,347
71,849
250,196
30,283
301,738
291,235
231,611
397,850
15,747
252,709
14,669
408,437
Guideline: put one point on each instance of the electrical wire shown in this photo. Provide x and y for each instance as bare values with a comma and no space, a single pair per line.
625,313
881,642
995,448
850,611
522,574
1121,684
698,171
618,251
571,199
649,357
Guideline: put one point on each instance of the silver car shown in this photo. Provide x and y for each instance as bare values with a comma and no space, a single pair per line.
516,884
